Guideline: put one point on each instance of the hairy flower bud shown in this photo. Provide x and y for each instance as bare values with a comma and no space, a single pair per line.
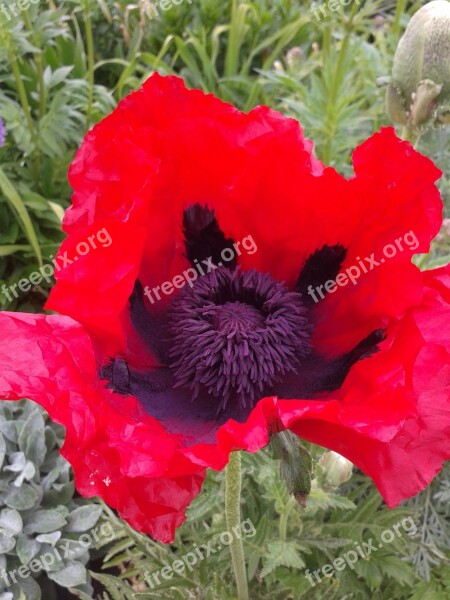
419,91
295,465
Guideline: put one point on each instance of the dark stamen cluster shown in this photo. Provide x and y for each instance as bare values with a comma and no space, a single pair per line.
236,334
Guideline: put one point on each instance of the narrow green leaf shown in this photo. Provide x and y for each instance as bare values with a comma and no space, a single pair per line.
17,204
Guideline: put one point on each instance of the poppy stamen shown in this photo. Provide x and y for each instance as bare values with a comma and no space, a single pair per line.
235,334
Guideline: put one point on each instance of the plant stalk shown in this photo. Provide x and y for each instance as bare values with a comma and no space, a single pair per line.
233,516
90,61
28,114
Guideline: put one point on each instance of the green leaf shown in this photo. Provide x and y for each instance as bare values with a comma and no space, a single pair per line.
23,498
17,203
27,548
2,450
72,575
8,249
114,586
6,543
27,590
44,521
49,538
281,554
10,522
32,438
83,518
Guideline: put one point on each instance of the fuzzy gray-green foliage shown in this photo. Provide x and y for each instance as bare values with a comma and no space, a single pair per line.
38,512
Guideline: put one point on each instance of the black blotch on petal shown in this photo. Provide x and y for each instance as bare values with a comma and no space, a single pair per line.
203,236
150,327
342,365
321,266
118,375
319,375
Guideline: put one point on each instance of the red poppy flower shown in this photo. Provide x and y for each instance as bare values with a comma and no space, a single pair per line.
158,374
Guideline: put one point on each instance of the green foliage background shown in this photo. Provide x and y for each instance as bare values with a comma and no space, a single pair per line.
64,64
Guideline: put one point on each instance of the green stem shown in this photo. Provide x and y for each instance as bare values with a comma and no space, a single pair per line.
399,10
42,93
410,136
22,95
233,516
337,81
90,61
27,110
284,518
39,64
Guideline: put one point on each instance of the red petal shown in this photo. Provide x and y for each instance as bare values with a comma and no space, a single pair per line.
392,415
50,360
165,148
392,201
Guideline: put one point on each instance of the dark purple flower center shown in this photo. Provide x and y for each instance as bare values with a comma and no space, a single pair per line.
235,334
230,339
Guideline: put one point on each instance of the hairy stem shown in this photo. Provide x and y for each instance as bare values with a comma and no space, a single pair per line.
233,515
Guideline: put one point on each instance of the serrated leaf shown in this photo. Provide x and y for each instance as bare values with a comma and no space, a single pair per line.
256,544
114,586
281,554
395,567
319,499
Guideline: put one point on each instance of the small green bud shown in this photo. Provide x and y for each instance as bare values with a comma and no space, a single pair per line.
419,91
336,469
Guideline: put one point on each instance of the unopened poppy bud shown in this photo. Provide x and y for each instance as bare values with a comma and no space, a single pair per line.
419,91
336,469
295,466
